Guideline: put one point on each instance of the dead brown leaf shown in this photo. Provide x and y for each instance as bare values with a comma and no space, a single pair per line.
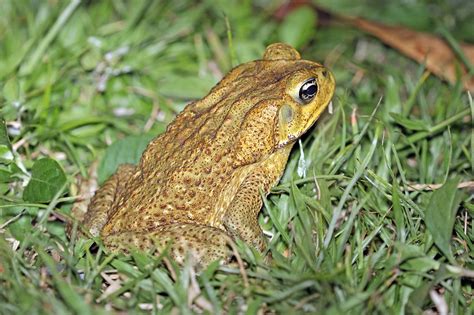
425,48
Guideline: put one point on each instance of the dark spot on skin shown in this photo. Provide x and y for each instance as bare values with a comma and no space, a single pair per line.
181,207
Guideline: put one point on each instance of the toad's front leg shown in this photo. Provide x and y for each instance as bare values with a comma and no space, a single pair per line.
240,219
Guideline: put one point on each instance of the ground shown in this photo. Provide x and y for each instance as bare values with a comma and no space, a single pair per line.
354,225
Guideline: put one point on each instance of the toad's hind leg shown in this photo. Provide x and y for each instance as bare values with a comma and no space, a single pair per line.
203,243
101,206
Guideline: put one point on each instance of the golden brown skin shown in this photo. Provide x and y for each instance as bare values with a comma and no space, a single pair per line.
198,185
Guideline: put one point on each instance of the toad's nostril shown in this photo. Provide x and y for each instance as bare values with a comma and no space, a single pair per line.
325,73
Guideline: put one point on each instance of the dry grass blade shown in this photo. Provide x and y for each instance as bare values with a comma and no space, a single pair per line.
413,187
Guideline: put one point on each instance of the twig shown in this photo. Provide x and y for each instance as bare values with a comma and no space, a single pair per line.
239,261
415,187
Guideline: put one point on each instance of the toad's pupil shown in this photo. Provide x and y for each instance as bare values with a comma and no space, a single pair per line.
308,90
311,90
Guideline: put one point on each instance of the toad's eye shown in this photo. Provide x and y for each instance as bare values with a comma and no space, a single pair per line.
308,90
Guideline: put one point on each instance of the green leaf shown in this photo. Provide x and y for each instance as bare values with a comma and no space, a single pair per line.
440,215
408,123
11,90
90,59
4,141
398,213
5,174
419,296
6,156
6,153
125,268
47,178
21,227
127,150
299,27
420,264
142,260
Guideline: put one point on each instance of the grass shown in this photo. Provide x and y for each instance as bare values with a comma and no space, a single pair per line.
79,82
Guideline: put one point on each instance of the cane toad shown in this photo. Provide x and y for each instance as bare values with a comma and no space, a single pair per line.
199,184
